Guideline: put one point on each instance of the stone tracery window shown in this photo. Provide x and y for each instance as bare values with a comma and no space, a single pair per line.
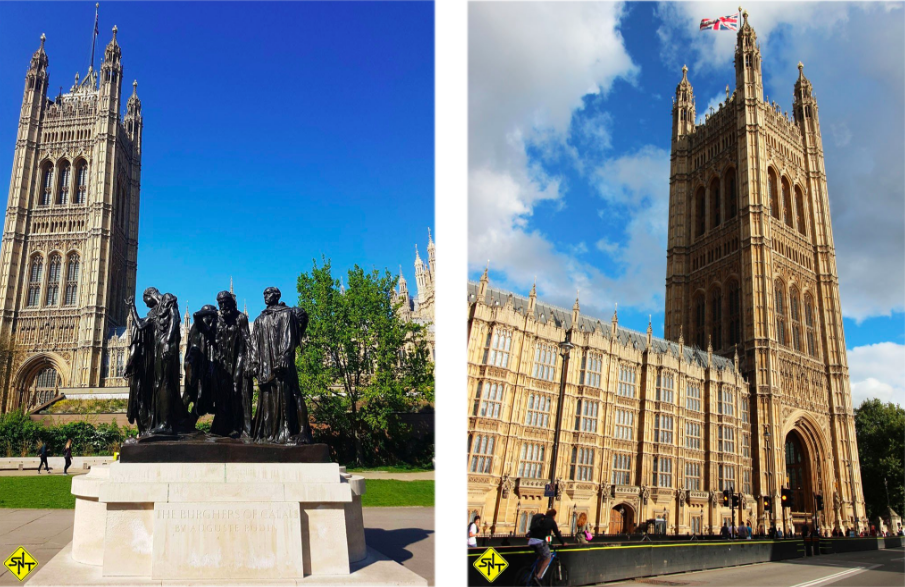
809,324
72,279
700,218
716,318
787,202
731,195
699,316
499,342
715,202
81,192
795,315
773,194
46,384
35,275
44,199
481,459
735,313
63,188
779,309
799,206
54,268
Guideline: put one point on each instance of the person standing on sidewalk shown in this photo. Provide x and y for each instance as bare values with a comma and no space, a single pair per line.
473,532
42,453
67,454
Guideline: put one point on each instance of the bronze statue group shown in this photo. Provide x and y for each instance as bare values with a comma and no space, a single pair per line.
223,358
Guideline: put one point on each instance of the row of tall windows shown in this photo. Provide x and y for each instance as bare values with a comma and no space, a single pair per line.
591,366
666,384
783,210
792,336
622,469
726,439
717,214
662,472
53,283
586,415
693,435
62,191
693,476
544,362
488,400
663,428
531,461
582,464
693,397
625,424
499,343
626,381
538,412
726,403
710,321
481,450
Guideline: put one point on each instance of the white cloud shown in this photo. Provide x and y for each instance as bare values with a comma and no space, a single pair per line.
876,371
530,64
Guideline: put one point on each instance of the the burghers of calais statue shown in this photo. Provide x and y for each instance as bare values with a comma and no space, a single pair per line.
281,416
155,404
199,365
231,367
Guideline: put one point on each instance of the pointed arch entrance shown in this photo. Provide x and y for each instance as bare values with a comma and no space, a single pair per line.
622,519
802,454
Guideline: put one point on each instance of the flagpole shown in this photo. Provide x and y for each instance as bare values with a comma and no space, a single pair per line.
93,37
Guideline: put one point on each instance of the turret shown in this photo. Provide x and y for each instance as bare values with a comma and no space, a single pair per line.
420,272
683,108
431,253
111,76
748,77
804,106
36,83
133,125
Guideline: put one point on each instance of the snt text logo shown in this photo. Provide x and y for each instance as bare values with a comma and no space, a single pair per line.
490,564
21,563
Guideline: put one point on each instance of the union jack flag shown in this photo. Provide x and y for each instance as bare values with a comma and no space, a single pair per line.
722,23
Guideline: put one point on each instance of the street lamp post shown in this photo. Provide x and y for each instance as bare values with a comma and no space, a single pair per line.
772,488
564,348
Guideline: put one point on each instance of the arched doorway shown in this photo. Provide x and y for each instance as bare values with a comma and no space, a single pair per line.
799,478
39,381
622,519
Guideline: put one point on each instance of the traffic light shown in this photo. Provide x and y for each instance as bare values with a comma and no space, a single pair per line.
726,498
735,500
768,504
786,498
819,503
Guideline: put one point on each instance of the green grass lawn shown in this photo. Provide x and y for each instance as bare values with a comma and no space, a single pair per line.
392,493
53,492
38,492
388,469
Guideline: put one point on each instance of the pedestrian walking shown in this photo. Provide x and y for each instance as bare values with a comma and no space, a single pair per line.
67,455
749,530
473,532
779,534
42,453
583,529
724,532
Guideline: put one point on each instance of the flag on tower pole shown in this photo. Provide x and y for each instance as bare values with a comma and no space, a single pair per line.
94,36
721,23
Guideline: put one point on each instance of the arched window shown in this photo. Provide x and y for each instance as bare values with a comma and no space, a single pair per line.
699,320
774,195
795,315
35,274
735,313
779,308
809,324
46,384
63,188
72,279
799,204
700,219
81,194
787,201
44,199
54,268
715,202
716,318
731,195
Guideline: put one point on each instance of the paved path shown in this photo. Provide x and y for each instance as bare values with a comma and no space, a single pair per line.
406,535
879,568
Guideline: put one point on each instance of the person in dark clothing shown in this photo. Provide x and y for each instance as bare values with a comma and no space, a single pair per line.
542,526
42,453
67,454
724,532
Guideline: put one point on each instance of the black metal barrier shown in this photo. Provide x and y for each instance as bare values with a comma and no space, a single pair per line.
600,562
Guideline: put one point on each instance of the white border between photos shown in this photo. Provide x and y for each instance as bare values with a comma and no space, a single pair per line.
451,209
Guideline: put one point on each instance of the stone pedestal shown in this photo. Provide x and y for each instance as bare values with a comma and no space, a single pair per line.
219,521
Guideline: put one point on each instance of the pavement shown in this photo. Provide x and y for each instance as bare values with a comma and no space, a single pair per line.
405,535
32,469
879,568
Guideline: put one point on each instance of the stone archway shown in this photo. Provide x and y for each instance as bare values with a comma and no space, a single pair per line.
804,451
38,380
622,519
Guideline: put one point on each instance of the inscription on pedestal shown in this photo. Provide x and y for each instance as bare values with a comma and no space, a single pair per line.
211,540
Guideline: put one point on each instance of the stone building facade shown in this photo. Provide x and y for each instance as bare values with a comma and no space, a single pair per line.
751,266
420,307
70,239
751,276
650,429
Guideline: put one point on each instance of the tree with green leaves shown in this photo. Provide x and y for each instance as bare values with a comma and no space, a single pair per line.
880,429
361,366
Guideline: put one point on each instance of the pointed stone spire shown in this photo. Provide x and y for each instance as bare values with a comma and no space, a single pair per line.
735,358
187,321
650,330
485,280
342,287
576,309
135,88
245,307
709,351
681,343
615,324
231,285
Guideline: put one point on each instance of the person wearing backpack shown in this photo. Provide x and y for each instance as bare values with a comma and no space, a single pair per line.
473,532
542,526
42,453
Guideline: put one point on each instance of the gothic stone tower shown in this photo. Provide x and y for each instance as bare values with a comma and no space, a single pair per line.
751,266
70,241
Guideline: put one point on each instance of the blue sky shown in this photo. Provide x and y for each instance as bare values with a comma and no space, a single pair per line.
569,136
274,133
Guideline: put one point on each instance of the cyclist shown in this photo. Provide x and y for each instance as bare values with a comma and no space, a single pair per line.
542,525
